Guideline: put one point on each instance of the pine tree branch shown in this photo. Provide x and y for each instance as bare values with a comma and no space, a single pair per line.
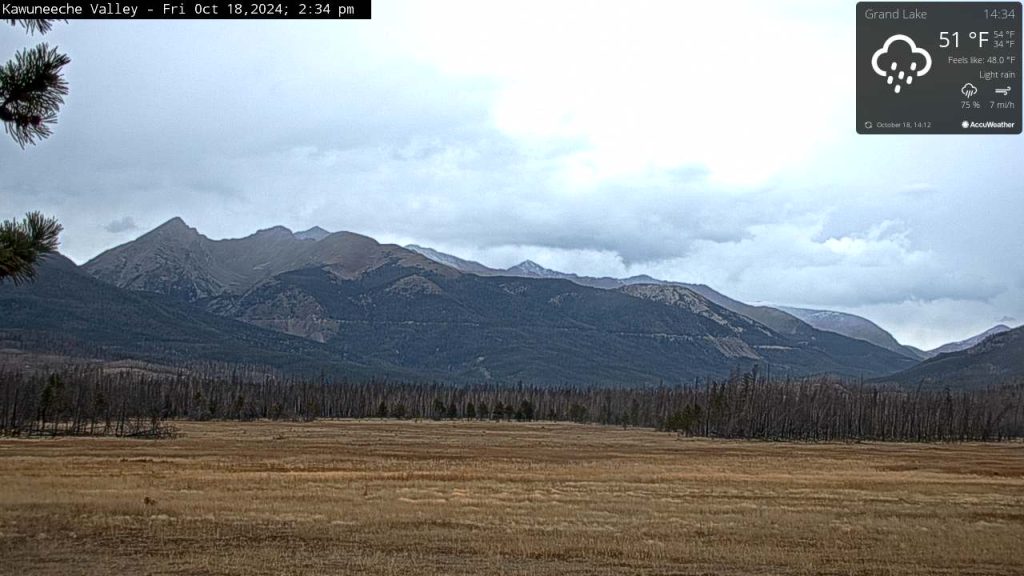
33,25
32,90
23,243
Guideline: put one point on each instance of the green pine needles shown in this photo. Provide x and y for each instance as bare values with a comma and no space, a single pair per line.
32,88
32,25
23,243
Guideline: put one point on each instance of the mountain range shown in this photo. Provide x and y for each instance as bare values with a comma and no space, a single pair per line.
344,303
995,359
67,312
969,342
404,309
782,319
855,327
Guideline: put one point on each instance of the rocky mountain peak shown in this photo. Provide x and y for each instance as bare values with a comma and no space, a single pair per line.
531,268
275,231
315,233
175,227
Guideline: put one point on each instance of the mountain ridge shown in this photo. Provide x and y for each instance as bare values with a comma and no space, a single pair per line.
776,318
177,260
970,342
794,321
997,360
315,233
388,303
68,312
855,327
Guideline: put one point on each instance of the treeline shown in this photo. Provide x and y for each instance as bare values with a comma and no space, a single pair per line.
78,402
748,405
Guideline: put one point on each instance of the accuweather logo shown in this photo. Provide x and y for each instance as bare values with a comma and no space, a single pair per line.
900,60
966,125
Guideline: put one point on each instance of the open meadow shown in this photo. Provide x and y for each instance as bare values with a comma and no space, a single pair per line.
400,497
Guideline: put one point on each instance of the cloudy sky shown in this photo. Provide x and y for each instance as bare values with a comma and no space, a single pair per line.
676,139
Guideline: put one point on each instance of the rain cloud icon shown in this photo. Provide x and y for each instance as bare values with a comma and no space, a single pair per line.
900,60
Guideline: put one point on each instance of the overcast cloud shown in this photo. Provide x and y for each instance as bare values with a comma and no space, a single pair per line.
665,141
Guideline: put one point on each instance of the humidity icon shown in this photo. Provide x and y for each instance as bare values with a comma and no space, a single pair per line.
900,60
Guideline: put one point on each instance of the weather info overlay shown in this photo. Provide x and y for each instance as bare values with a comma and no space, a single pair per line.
939,67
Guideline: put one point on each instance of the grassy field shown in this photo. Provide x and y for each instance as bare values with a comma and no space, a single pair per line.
484,498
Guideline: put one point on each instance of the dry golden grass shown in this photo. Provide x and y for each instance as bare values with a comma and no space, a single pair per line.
482,498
